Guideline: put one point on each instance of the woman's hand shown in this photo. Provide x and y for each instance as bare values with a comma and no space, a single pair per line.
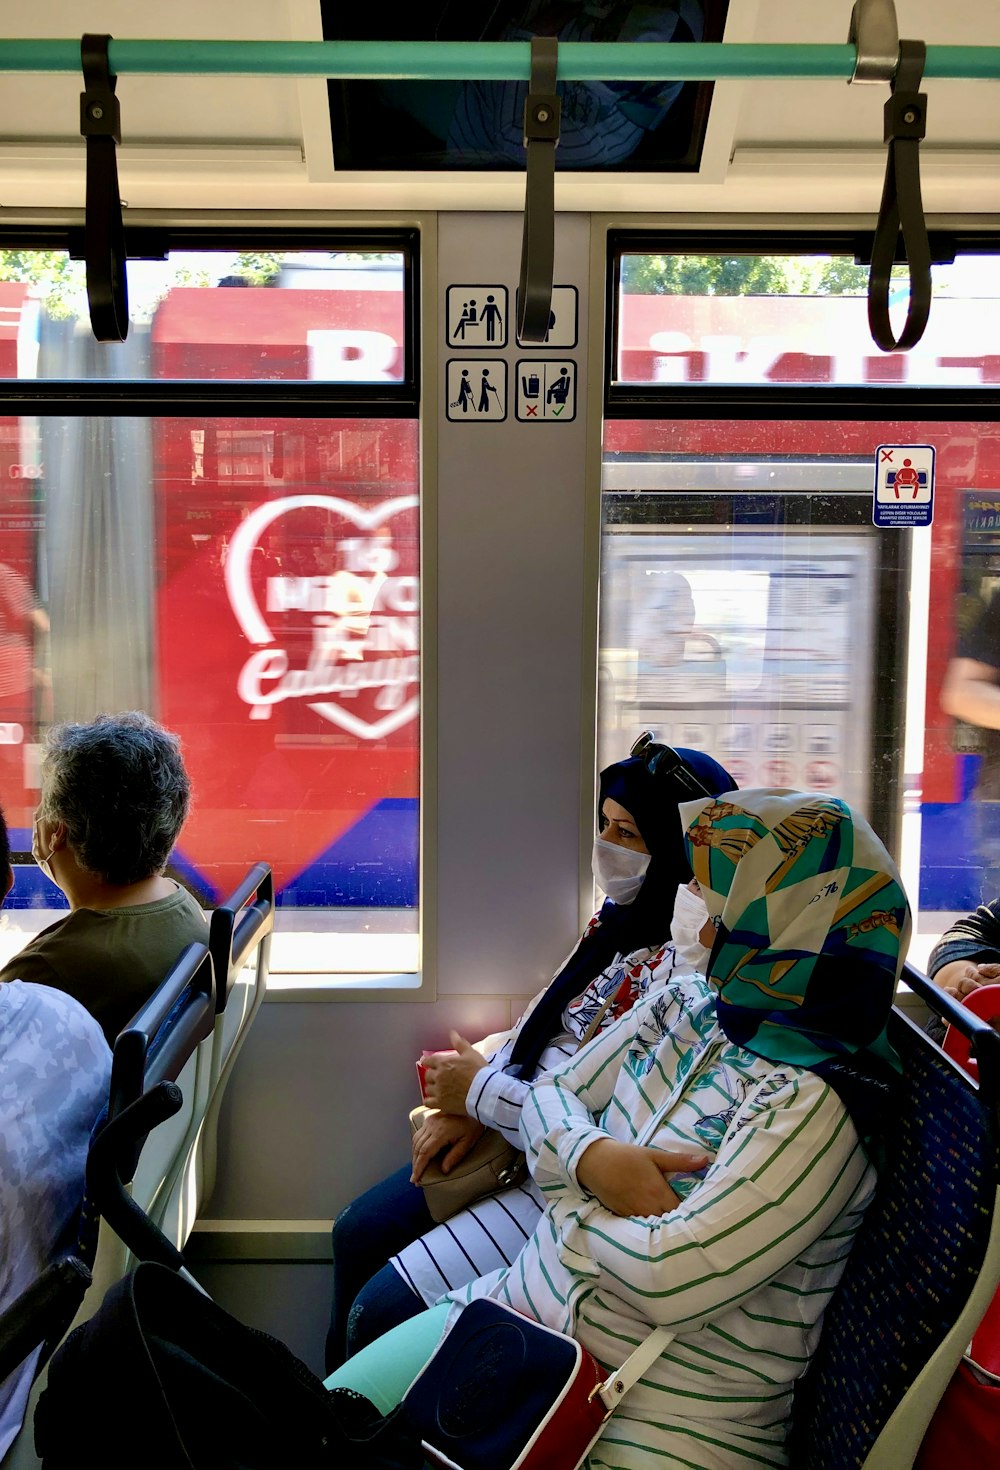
631,1180
437,1132
962,977
447,1078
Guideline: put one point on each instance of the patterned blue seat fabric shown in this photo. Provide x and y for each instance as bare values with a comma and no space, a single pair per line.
913,1263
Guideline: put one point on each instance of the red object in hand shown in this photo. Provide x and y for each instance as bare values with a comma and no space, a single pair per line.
422,1068
422,1074
983,1002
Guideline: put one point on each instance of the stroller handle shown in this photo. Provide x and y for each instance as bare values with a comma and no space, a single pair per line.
117,1142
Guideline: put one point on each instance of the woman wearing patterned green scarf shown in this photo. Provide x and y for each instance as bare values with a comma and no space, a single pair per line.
774,1070
811,932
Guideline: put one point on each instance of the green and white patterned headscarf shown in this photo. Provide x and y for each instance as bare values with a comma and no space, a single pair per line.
813,926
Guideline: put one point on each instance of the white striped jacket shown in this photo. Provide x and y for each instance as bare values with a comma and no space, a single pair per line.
741,1270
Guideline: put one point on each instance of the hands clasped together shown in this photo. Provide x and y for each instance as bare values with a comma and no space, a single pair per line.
962,977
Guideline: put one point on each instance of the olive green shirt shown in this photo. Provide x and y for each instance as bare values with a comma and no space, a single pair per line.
111,960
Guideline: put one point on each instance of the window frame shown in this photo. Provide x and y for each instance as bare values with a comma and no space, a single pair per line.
233,398
653,400
864,403
248,399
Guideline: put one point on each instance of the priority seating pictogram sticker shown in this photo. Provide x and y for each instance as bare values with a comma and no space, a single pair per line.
904,485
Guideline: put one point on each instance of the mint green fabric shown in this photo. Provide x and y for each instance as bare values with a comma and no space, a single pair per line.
384,1370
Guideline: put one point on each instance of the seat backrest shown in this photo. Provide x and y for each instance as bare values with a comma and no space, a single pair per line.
160,1044
239,941
925,1261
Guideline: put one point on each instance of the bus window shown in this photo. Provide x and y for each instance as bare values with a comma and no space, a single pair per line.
783,319
750,608
250,577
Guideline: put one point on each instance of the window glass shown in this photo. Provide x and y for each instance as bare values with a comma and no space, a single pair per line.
797,319
253,583
251,315
750,608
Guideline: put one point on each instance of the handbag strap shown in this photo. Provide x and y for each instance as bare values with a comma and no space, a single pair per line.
591,1030
616,1385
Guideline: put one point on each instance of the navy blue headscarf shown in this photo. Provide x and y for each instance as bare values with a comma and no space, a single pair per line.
651,801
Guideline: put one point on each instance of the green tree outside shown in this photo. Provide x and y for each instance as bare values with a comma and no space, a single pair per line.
746,275
704,275
63,281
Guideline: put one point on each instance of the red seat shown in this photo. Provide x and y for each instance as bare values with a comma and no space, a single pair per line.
985,1003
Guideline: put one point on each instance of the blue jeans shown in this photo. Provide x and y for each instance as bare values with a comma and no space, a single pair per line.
369,1295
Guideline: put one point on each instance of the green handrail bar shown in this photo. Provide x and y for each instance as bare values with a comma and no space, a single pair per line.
499,61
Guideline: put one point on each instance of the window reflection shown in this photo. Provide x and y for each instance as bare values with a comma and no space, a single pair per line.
336,317
252,582
796,319
750,608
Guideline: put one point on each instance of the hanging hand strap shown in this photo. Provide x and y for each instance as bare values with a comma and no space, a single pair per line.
541,138
902,212
100,124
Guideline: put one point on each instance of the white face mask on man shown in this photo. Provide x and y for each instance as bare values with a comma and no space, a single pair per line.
690,918
618,870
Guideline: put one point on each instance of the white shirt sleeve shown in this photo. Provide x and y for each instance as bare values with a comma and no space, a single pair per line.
496,1098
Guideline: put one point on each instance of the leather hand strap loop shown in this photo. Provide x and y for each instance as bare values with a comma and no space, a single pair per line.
901,213
541,138
100,125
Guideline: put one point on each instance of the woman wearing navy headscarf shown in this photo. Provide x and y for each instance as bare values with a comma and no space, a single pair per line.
390,1261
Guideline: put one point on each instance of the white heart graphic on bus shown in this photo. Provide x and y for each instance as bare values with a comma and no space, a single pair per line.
272,663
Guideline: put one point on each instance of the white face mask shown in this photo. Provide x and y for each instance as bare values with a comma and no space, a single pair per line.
618,870
690,917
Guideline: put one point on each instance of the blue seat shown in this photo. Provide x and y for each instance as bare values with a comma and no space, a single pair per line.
240,944
162,1043
924,1265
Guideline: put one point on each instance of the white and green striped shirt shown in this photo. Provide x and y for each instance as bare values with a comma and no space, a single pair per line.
741,1270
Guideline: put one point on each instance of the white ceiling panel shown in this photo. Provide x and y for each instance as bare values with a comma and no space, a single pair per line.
264,143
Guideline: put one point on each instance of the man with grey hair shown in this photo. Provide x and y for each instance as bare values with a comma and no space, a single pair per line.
114,798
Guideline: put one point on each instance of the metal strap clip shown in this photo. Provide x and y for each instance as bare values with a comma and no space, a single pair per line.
876,35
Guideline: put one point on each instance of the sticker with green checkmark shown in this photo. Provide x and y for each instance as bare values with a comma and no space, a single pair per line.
545,389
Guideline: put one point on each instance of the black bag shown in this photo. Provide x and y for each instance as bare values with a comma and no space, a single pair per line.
162,1377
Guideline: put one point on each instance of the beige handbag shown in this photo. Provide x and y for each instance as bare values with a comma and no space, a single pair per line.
491,1164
